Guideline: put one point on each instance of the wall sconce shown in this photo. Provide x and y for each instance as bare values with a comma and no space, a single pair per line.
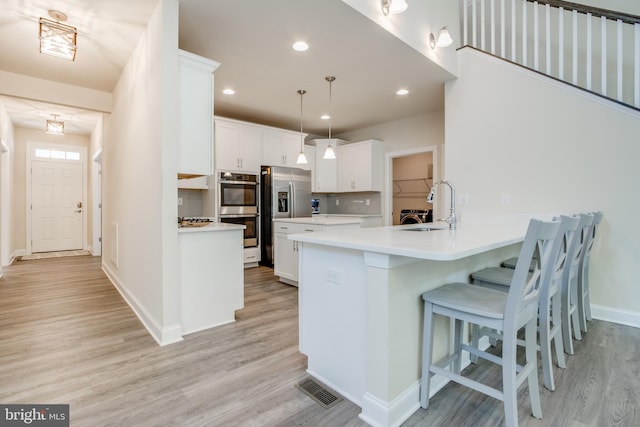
443,39
55,127
57,39
393,6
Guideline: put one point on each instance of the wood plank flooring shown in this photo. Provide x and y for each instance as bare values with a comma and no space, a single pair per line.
66,336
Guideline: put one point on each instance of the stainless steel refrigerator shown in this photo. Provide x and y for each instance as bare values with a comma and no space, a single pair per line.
284,193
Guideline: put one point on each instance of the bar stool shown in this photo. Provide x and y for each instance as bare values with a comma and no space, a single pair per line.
584,302
550,322
569,313
504,312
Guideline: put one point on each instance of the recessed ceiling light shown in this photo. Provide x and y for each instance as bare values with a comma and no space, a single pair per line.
229,92
300,46
402,92
325,117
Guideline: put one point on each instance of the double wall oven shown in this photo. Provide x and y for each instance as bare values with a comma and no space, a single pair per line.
238,197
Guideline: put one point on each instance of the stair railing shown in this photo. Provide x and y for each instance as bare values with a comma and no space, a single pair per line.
592,48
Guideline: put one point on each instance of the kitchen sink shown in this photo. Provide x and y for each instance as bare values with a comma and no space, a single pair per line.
425,229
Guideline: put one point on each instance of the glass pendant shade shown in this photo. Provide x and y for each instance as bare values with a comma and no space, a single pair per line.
329,153
58,39
55,127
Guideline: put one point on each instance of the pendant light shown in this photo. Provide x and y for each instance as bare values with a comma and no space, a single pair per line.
329,153
302,159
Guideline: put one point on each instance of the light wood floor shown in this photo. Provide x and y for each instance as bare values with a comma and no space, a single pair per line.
66,336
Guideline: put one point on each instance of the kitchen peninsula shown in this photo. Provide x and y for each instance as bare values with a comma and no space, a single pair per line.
211,275
361,309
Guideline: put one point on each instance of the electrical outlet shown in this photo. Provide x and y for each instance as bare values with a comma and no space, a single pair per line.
463,199
332,276
367,202
179,201
504,199
337,202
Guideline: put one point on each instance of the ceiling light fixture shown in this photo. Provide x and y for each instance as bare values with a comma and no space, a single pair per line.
55,127
402,92
300,46
329,153
58,39
393,7
302,159
442,40
228,91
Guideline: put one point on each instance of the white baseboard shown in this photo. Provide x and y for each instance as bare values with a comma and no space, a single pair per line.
163,335
15,254
616,315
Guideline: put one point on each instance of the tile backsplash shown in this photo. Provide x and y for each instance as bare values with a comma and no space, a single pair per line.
366,203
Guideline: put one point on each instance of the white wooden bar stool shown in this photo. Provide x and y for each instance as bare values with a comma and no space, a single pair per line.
550,321
584,302
569,313
504,312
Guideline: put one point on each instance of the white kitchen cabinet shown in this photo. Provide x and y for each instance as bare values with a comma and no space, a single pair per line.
325,172
280,148
195,114
286,251
360,166
237,146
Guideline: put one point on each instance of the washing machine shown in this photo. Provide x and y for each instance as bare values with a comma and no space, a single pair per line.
415,216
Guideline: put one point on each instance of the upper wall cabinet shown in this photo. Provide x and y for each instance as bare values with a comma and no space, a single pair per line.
281,148
325,172
360,166
196,114
238,146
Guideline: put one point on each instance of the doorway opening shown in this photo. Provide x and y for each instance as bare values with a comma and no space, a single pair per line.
410,175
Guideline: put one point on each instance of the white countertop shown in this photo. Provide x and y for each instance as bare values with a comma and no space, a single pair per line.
212,226
470,238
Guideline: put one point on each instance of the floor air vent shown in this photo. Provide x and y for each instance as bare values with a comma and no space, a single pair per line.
321,394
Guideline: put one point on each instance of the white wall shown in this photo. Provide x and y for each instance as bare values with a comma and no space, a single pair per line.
552,149
6,187
140,178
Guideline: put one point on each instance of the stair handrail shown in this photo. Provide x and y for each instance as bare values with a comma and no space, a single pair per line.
627,18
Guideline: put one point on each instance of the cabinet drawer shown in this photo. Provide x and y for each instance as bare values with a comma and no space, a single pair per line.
285,227
307,228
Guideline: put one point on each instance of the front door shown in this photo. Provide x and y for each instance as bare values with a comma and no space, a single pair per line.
56,206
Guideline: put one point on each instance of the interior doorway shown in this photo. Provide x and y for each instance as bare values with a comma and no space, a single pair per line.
56,197
410,176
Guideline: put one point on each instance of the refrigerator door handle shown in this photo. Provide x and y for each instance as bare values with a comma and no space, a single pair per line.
292,200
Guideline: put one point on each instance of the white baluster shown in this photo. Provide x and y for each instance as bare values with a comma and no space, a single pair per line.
474,16
502,30
619,22
547,11
465,23
524,32
636,80
589,51
482,27
536,38
603,52
493,27
575,47
513,30
561,43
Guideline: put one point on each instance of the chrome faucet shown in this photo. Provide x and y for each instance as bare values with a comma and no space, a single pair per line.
452,219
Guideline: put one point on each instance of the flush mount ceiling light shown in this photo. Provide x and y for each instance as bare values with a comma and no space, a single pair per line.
402,92
228,91
300,46
302,159
58,39
442,40
329,153
393,7
55,127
